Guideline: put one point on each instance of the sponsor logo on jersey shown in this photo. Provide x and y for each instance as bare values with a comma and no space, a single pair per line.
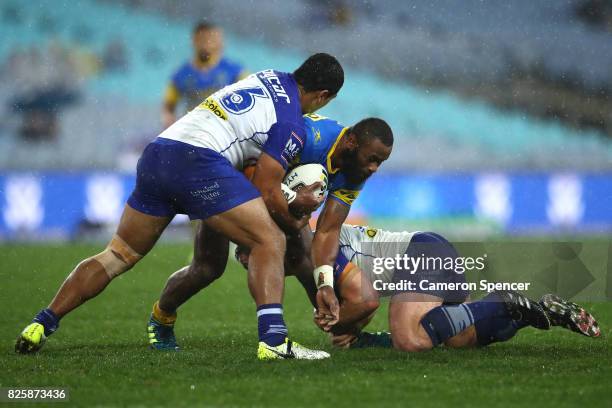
315,117
214,107
346,196
273,82
293,147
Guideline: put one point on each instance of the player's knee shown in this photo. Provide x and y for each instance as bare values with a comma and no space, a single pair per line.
118,257
370,306
411,341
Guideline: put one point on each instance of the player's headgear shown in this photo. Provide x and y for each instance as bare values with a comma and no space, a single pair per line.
320,72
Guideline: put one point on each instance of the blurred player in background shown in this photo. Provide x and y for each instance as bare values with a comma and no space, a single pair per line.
205,74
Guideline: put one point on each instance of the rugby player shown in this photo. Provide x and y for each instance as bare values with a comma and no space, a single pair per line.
351,155
194,168
421,319
207,72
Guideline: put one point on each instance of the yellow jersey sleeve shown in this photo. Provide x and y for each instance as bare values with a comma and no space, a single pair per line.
172,95
345,196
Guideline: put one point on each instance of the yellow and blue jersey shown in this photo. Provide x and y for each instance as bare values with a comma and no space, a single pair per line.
322,137
194,85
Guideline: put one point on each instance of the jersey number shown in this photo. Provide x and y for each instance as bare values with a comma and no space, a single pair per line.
242,100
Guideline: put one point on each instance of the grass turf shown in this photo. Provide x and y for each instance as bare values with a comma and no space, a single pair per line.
100,352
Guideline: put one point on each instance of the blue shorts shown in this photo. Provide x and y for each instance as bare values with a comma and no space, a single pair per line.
177,178
432,245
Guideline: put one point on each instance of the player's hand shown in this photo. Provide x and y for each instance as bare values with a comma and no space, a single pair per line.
306,201
319,320
328,307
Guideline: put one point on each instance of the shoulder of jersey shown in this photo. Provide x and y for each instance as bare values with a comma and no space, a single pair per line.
321,128
319,120
183,70
230,64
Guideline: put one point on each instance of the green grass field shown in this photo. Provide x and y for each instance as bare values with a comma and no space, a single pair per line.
100,351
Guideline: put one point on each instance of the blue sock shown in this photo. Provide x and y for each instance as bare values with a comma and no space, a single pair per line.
443,322
48,319
487,307
495,330
271,326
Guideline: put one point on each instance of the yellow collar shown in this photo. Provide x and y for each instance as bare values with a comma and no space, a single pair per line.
331,151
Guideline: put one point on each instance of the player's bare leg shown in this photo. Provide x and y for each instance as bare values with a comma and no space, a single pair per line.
298,262
250,225
359,299
358,305
208,263
495,318
405,313
136,234
253,227
210,251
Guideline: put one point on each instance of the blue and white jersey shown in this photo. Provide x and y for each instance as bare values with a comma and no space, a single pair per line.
322,137
361,244
261,113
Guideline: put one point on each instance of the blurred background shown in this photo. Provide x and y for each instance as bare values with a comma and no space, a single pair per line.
502,111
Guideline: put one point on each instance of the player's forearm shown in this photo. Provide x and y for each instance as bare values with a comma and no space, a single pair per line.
325,247
327,237
279,210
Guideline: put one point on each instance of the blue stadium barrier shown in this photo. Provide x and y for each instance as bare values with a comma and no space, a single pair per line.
55,205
